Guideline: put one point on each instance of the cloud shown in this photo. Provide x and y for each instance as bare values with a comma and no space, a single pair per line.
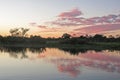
59,23
96,29
69,14
73,22
92,25
68,18
52,30
32,24
74,18
42,26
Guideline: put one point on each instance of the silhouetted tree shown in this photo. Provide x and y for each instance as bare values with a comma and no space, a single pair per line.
66,35
99,38
18,32
111,36
24,31
14,32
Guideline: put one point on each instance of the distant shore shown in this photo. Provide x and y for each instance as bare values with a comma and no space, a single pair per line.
100,45
97,41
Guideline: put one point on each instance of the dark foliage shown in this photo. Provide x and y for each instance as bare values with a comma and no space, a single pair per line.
12,40
89,39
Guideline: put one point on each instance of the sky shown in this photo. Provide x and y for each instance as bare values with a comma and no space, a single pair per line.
52,18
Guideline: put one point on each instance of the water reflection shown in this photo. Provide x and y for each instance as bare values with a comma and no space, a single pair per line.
70,61
20,52
76,51
71,64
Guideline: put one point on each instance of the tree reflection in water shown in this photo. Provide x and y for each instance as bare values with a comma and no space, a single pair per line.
70,61
20,52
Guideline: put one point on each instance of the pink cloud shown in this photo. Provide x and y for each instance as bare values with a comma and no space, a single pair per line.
98,28
73,18
51,30
42,26
67,23
32,24
68,18
73,13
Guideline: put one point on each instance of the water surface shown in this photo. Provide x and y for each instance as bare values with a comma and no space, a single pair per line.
58,64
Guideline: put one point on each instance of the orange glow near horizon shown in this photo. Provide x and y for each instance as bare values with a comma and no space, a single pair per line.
51,34
42,34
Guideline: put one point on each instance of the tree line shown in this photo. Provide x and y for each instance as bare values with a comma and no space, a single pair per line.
19,36
89,39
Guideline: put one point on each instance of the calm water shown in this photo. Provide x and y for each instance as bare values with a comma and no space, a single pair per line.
58,64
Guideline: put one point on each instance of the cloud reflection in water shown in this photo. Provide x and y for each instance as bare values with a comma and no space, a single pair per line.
70,63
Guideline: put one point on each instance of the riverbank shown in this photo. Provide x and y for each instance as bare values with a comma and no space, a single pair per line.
97,46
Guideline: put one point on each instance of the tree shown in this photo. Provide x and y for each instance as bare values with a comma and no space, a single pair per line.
66,35
14,32
24,31
99,38
18,32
